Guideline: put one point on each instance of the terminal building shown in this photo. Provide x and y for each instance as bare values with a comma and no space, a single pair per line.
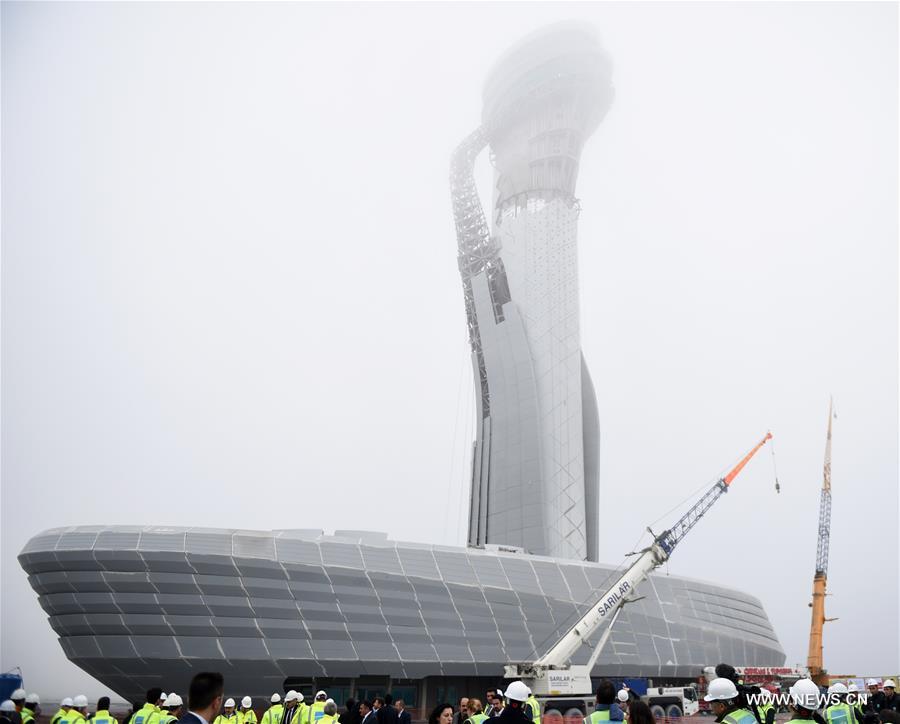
359,615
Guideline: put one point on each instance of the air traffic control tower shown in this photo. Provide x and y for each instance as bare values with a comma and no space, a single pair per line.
535,476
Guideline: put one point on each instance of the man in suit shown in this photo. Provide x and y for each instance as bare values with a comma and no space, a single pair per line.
365,711
403,716
204,698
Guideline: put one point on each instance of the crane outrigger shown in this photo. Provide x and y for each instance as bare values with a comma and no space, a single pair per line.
552,674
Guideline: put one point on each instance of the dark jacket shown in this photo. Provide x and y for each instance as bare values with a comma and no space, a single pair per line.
513,715
403,717
892,704
386,715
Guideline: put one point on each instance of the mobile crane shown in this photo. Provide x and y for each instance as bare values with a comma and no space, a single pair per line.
814,660
552,674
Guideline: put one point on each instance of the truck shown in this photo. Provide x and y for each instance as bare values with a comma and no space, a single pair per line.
564,689
672,701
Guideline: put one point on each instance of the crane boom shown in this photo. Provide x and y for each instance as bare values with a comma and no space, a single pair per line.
814,659
551,673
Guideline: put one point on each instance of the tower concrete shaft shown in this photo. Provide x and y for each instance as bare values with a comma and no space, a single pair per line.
535,475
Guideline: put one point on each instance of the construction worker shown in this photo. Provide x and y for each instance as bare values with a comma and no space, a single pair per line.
329,713
532,708
174,709
64,706
7,709
838,710
316,710
77,713
874,698
475,711
516,695
275,710
246,715
606,708
102,716
229,716
804,696
722,696
622,700
291,708
855,700
764,707
149,713
30,708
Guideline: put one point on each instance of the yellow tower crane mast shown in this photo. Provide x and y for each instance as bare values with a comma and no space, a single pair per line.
814,661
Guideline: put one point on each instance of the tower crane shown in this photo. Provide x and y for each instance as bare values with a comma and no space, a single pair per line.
814,661
552,674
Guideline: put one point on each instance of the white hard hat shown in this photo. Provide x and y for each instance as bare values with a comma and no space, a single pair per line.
275,698
888,683
806,694
32,699
321,694
721,690
80,702
516,691
173,700
872,682
17,695
66,702
622,695
330,701
229,703
291,696
7,705
246,701
839,687
852,688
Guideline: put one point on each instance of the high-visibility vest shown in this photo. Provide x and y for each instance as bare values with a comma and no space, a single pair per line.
739,716
273,714
247,717
103,717
73,716
763,710
225,719
328,719
27,715
535,709
840,714
56,717
168,718
476,718
314,712
145,715
597,717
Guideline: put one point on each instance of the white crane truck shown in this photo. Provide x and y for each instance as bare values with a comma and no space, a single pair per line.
564,689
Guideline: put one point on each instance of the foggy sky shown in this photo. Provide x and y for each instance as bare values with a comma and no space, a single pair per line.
230,293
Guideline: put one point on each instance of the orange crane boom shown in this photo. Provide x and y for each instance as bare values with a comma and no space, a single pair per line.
814,660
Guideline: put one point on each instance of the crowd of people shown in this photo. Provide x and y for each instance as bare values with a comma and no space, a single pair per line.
730,701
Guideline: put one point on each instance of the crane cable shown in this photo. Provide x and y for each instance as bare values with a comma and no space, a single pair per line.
775,469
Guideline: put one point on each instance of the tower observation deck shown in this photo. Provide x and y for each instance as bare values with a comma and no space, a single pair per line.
535,476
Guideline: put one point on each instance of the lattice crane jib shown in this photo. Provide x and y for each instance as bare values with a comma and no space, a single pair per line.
815,657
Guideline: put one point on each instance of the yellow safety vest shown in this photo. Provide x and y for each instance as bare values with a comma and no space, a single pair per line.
840,714
273,714
597,716
476,718
225,719
247,717
103,717
145,715
739,716
535,709
314,712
